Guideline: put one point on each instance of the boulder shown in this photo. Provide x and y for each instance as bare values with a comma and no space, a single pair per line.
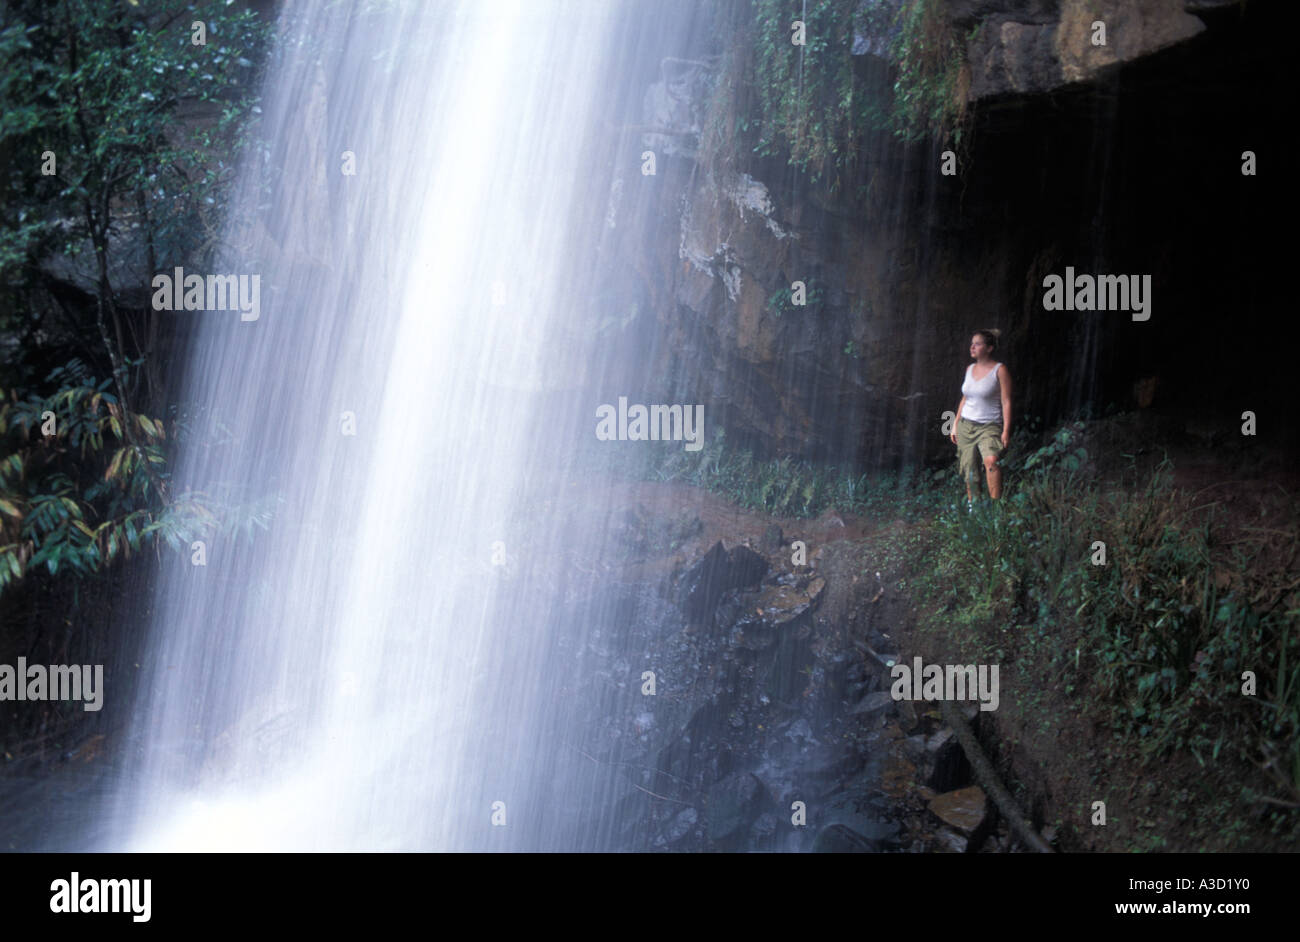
679,827
873,704
1027,48
718,571
965,810
776,609
947,841
838,839
734,804
947,761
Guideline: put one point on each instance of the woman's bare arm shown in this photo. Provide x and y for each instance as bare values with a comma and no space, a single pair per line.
1004,383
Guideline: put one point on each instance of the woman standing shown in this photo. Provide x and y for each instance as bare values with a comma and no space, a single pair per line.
983,421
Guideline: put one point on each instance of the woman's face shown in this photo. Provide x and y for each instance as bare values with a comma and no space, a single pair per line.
978,347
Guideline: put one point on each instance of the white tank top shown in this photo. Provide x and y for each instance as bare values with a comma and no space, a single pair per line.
983,397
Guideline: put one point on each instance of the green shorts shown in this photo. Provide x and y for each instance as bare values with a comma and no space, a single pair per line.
986,439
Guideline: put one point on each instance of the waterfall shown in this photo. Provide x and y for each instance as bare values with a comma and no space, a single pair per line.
364,673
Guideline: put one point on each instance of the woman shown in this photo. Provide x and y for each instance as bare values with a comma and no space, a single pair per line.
983,421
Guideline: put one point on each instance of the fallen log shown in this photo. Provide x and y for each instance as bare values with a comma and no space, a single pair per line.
989,780
985,774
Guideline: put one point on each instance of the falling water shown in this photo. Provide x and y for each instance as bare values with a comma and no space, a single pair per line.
357,677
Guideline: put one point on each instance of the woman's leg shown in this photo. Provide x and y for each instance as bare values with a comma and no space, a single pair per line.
994,476
991,452
968,455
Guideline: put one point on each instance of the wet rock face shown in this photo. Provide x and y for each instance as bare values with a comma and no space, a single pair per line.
673,107
1029,48
853,372
722,293
1017,47
767,729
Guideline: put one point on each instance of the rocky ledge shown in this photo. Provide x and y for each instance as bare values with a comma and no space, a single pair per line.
768,728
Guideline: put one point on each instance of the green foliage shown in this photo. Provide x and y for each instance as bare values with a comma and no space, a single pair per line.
932,79
813,103
810,101
1155,639
79,498
100,84
783,487
781,301
1058,452
143,127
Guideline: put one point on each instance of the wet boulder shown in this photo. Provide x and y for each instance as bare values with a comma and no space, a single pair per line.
776,609
947,841
734,804
678,827
947,761
873,704
838,839
716,573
